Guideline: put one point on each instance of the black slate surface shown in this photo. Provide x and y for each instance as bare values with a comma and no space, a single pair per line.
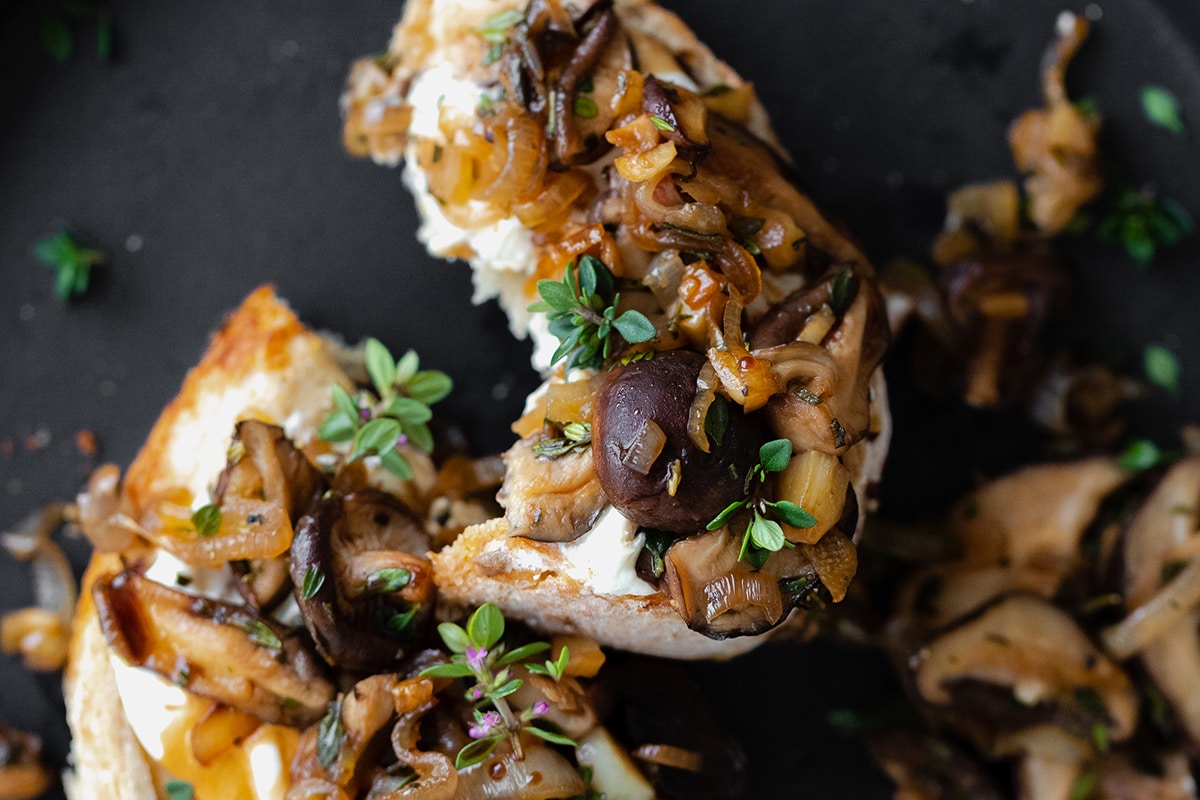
205,159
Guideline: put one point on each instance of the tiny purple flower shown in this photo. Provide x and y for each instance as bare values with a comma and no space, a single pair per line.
540,708
476,693
403,440
475,658
364,414
486,724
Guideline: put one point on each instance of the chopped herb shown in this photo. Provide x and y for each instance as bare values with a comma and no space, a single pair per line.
582,310
1171,569
71,260
313,579
586,107
260,633
839,433
1141,454
1143,223
329,734
1162,108
576,436
183,579
842,291
716,421
1089,699
493,55
1088,106
656,544
179,790
1085,785
495,29
807,396
400,624
206,520
662,124
635,357
388,581
104,37
1162,367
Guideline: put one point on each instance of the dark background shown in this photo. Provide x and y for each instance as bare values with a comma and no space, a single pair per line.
213,140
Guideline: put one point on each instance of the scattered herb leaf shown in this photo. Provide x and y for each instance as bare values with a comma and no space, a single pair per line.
1143,223
314,579
388,581
206,520
179,790
662,124
1141,454
576,436
1162,367
71,260
329,734
1162,108
260,633
586,107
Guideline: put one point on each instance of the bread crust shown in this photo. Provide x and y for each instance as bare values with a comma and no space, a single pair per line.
264,363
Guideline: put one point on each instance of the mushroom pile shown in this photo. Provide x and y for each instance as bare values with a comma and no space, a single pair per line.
1017,645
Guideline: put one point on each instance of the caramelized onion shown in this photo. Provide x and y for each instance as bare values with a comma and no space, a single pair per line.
53,582
559,191
22,774
542,774
645,449
641,166
706,392
98,513
316,789
248,529
669,755
1161,614
523,161
219,729
39,635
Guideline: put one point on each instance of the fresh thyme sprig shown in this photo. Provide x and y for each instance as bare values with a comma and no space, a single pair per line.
397,413
764,536
478,653
582,310
576,436
72,261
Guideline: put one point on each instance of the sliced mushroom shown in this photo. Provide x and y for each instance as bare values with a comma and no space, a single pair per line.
214,649
716,594
827,408
263,464
1035,517
550,499
1163,619
361,579
1028,650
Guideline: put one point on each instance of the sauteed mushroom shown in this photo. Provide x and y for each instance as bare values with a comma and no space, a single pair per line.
361,579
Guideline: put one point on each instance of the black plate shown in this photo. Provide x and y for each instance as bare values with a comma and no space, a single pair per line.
206,159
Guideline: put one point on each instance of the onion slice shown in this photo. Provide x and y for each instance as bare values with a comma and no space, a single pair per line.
668,755
645,448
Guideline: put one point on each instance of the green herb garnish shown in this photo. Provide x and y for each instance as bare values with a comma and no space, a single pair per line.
764,536
552,669
1085,785
1162,108
1143,223
1162,367
71,260
259,633
401,623
576,436
1141,454
206,520
582,310
329,734
586,107
842,291
179,790
396,415
657,544
314,579
478,653
662,124
388,581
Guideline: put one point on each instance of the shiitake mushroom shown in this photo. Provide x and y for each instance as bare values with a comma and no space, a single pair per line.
682,489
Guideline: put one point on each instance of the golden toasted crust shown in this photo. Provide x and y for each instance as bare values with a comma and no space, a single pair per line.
263,363
109,764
